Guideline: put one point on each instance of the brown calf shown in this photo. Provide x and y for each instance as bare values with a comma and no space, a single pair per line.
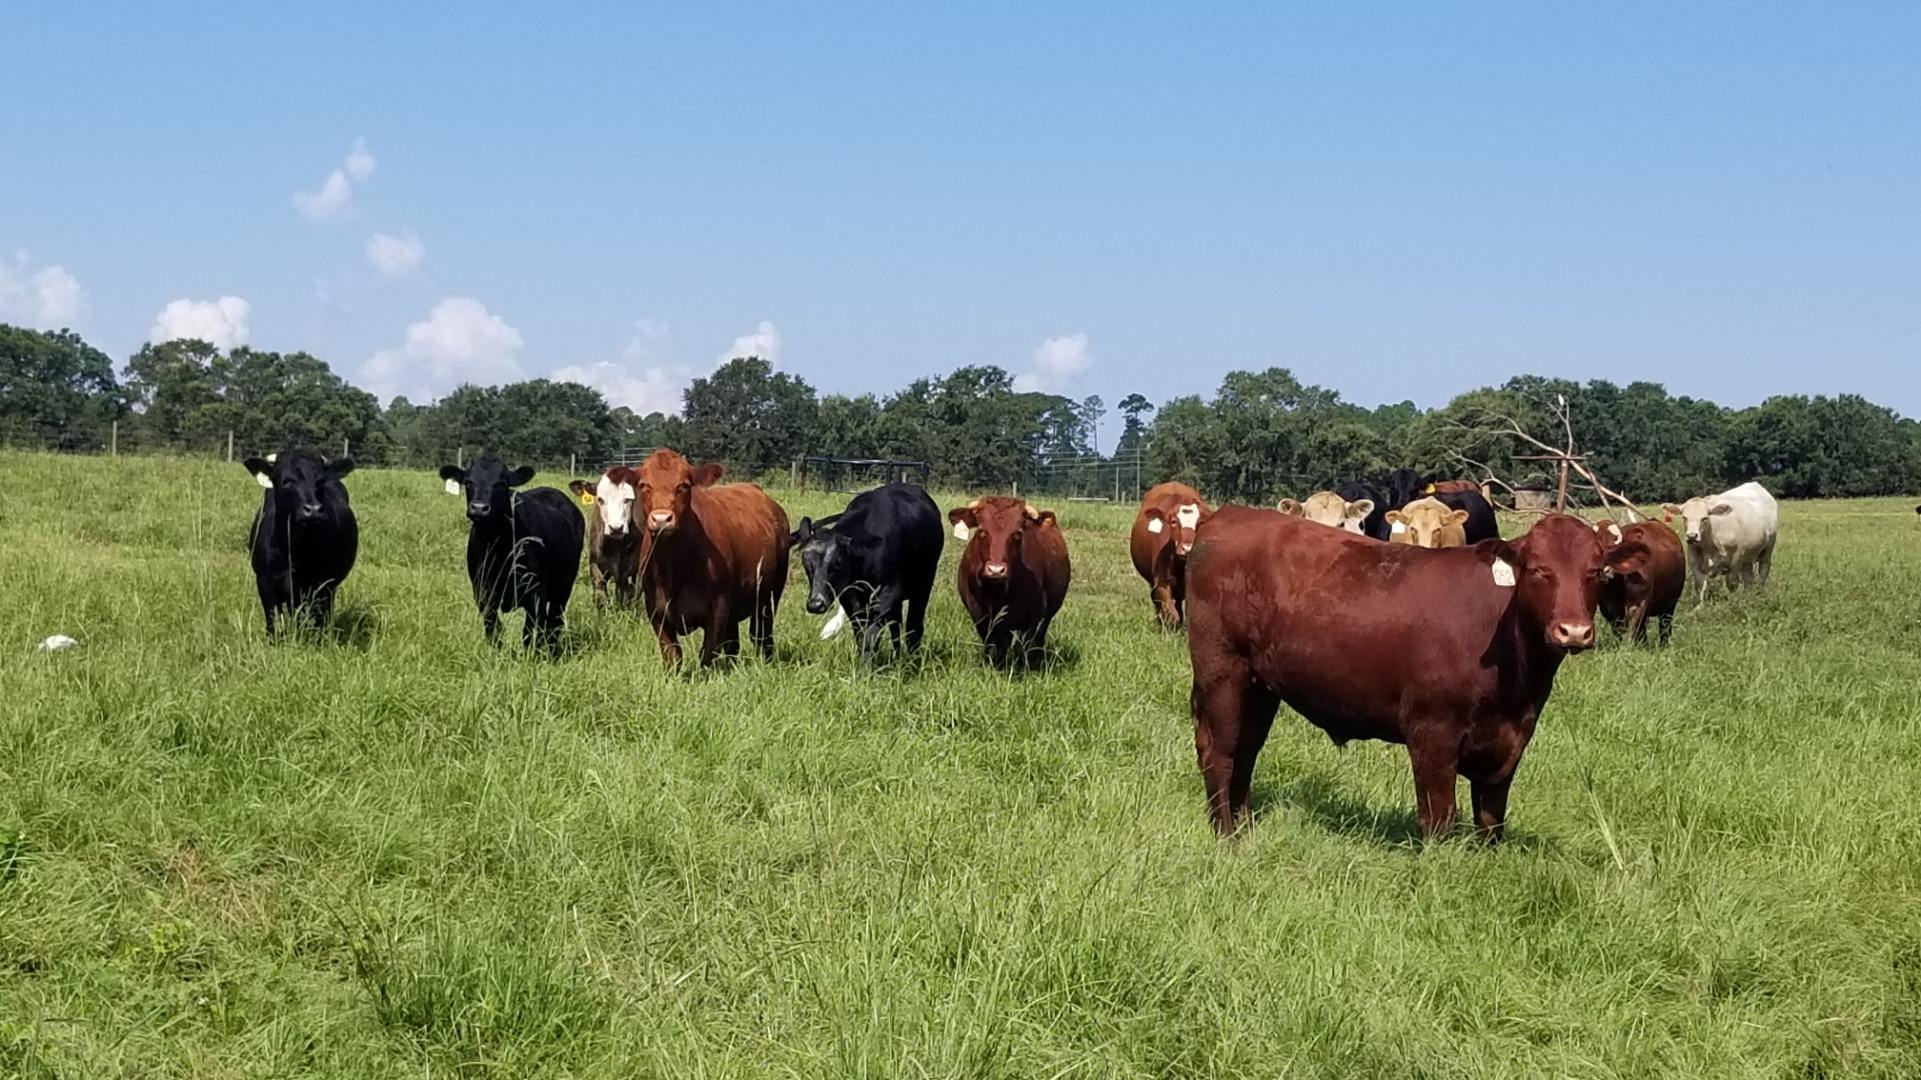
1651,586
1283,610
1013,575
1163,531
710,556
613,541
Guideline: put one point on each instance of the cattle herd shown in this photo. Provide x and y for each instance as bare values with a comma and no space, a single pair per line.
1393,611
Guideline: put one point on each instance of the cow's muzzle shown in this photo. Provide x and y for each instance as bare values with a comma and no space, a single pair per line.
994,571
818,605
1571,636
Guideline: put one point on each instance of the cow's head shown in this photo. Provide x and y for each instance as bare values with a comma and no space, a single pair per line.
1633,564
1402,486
1557,571
833,562
1697,514
664,485
488,485
1186,518
1428,523
300,482
612,497
994,527
1328,508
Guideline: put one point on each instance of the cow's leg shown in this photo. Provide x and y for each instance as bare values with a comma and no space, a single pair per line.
530,619
1165,610
916,619
1667,626
1258,706
1436,760
883,614
1638,623
1218,704
490,625
669,644
762,624
722,633
1490,806
1765,564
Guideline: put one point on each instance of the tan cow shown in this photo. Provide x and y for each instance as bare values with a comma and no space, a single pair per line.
1328,508
1428,523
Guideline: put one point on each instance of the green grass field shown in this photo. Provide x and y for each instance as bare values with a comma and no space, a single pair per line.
395,852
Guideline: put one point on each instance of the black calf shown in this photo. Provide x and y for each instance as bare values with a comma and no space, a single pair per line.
874,559
523,549
304,537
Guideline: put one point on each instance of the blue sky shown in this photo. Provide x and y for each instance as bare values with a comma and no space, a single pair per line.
1399,201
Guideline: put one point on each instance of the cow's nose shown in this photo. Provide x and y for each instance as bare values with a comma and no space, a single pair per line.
475,509
816,605
617,526
310,510
1570,635
995,570
1181,546
660,519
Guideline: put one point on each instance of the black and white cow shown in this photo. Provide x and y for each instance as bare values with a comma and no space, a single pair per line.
523,548
613,541
304,537
875,559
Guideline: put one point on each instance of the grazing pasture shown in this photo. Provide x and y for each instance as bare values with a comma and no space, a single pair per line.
394,851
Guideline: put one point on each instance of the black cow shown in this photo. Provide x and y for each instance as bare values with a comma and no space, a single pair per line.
304,537
1403,486
1375,524
523,549
875,558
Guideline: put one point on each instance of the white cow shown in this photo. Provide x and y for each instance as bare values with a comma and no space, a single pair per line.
1729,535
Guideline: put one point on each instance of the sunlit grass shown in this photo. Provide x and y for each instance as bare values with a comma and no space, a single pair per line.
394,851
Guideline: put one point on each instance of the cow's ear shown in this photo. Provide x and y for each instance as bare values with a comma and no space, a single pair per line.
454,473
1507,551
802,534
1291,508
1670,508
1360,508
1395,517
1721,508
1458,517
1629,559
520,476
262,471
338,469
1608,532
708,473
964,521
1157,521
1047,520
578,487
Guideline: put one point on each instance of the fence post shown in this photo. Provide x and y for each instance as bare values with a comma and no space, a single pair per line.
113,445
229,444
346,447
573,468
460,456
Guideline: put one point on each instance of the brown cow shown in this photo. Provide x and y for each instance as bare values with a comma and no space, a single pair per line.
710,556
1439,486
613,542
1013,574
1428,523
1163,531
1452,653
1650,587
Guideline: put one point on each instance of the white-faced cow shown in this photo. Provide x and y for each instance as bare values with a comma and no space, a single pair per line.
1329,508
1730,535
304,537
613,540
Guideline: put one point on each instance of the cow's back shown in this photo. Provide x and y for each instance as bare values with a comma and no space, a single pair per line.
552,521
1351,633
748,533
1045,552
1751,526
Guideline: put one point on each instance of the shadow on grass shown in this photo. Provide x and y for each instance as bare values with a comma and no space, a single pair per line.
353,628
1333,807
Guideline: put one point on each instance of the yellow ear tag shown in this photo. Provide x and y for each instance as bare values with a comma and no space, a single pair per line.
1428,489
586,498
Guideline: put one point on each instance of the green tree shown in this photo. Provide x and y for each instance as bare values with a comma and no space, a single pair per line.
849,426
1134,430
55,390
750,416
173,389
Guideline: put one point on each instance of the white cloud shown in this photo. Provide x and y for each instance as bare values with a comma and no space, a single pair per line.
763,341
1057,363
395,256
360,164
221,323
337,191
45,299
460,341
647,378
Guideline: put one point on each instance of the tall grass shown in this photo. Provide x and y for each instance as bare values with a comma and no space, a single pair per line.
393,851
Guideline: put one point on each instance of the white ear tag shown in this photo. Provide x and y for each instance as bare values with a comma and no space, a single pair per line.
960,530
263,480
453,487
1154,526
1503,574
834,624
1401,527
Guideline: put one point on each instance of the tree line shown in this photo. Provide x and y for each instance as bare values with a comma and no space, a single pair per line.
1261,435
